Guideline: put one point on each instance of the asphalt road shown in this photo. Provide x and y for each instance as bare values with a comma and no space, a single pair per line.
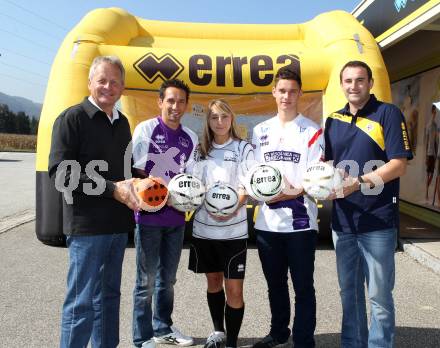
17,182
33,281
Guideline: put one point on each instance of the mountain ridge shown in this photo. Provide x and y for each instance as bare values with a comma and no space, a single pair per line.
17,104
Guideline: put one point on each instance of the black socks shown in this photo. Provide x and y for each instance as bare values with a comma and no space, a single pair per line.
233,319
220,310
216,304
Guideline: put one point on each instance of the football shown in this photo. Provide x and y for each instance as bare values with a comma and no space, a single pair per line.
221,199
152,192
186,192
264,182
320,179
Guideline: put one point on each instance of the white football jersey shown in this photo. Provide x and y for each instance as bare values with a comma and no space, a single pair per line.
291,148
227,163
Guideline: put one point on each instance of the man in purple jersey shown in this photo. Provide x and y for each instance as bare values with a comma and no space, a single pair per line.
161,148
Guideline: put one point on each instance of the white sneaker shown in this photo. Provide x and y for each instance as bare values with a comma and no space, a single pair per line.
149,344
175,337
216,339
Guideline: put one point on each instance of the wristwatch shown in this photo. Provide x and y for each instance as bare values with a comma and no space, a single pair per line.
363,182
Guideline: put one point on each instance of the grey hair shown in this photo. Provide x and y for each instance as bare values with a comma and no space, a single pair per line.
107,59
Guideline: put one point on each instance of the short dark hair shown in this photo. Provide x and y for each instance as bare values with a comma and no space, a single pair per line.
433,108
357,64
173,83
286,73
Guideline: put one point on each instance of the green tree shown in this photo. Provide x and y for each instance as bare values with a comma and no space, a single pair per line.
20,123
23,123
7,120
3,118
34,125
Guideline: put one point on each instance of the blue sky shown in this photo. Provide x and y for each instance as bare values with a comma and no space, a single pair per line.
32,31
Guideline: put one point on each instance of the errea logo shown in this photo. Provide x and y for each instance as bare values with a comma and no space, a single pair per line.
160,139
264,140
221,70
151,67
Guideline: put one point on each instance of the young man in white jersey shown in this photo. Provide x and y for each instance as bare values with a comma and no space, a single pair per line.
286,227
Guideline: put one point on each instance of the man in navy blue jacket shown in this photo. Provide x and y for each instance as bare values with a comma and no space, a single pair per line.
371,138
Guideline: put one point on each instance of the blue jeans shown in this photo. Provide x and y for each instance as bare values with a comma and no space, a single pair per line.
158,252
366,257
91,307
294,252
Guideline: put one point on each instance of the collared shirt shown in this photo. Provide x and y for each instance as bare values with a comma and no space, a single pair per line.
115,113
83,136
369,139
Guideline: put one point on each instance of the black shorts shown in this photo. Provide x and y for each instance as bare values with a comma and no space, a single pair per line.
210,255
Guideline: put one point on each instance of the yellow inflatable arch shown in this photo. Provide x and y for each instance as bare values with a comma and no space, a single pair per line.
234,60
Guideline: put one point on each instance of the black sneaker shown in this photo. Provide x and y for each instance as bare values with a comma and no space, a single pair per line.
267,342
